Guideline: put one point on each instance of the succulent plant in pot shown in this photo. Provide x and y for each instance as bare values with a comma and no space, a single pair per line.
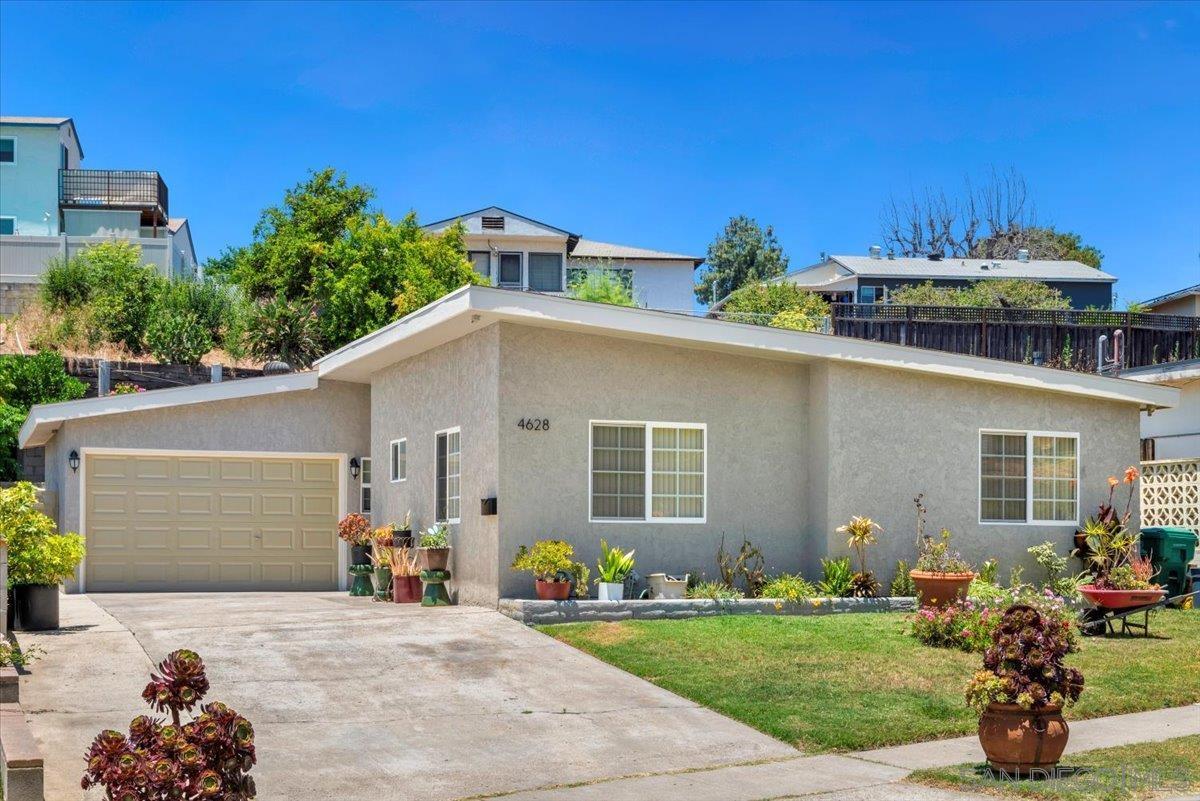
207,757
435,547
613,568
551,563
941,576
39,558
1022,689
355,530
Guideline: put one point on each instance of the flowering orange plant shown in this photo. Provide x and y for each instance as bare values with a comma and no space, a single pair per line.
355,529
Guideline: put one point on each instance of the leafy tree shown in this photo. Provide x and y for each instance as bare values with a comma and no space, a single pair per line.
24,382
1011,292
381,271
600,285
742,254
1041,242
221,268
783,305
293,240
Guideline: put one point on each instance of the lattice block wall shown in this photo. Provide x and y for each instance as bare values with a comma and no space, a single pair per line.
1171,493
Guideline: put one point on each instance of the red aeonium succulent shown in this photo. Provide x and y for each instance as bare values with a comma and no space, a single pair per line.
1024,664
208,757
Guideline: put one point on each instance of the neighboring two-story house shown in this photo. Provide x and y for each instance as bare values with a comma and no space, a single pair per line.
51,207
517,252
872,278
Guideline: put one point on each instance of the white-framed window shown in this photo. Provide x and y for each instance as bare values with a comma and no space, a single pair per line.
647,472
1029,477
8,150
364,487
448,472
398,460
481,260
546,272
8,226
508,270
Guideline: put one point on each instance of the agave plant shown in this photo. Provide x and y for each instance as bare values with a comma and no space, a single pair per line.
614,566
208,757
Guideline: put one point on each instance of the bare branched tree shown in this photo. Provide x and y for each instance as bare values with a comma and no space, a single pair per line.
957,227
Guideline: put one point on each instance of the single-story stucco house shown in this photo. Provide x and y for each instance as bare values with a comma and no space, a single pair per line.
656,431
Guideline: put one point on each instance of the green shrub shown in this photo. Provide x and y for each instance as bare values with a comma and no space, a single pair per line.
29,380
838,578
902,583
713,591
124,291
177,338
210,302
600,285
763,304
11,420
1013,292
37,553
545,560
789,587
283,330
66,283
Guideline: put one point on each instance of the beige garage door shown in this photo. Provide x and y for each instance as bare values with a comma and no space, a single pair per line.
210,522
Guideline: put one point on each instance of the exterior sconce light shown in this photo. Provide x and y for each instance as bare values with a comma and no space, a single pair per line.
73,460
355,467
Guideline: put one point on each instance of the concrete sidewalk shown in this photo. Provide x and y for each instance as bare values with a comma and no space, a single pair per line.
866,774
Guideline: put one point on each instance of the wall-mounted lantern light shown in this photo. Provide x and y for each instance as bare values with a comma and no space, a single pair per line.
73,460
355,468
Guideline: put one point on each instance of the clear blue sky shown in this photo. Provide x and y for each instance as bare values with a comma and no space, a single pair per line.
641,124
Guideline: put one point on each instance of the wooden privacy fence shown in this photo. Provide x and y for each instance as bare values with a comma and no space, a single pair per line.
1057,338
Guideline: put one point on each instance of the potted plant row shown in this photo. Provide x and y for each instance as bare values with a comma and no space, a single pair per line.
1121,576
406,574
1021,692
435,547
355,530
39,559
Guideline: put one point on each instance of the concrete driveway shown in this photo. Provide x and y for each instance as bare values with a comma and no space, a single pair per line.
354,699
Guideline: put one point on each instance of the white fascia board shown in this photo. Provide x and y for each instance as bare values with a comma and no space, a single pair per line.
473,307
46,418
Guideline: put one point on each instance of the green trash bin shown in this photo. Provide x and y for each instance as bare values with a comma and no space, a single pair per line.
1170,549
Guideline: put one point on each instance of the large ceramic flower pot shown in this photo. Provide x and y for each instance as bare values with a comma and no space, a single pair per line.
1120,599
406,589
552,590
434,558
35,607
1017,740
939,590
360,554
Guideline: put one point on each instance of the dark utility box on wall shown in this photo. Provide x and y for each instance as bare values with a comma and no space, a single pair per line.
487,506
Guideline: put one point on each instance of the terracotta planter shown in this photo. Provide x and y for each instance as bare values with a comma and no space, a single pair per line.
406,589
552,590
939,590
1120,599
434,558
1017,740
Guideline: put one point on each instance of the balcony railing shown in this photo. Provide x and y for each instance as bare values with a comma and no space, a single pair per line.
141,190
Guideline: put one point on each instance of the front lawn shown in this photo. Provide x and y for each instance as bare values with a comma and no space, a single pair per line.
856,681
1112,774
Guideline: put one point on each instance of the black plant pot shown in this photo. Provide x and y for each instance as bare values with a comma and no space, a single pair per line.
402,539
360,554
35,607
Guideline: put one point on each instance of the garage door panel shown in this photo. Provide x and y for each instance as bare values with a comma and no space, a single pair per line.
200,523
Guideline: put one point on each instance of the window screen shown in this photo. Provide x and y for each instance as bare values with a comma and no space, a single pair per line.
545,272
510,269
447,499
618,472
1002,477
678,480
399,460
1054,471
8,150
481,260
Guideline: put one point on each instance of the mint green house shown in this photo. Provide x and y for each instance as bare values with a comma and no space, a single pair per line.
51,207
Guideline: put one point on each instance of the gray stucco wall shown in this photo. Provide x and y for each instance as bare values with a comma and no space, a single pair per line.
452,385
334,418
755,410
894,434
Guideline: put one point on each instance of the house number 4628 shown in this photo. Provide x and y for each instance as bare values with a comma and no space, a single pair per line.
534,423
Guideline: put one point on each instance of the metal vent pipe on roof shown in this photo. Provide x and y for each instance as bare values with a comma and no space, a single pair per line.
876,251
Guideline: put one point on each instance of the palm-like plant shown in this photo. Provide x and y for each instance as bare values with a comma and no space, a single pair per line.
860,533
279,329
614,565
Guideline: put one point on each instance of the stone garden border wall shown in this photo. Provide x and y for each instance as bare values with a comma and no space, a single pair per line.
539,613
